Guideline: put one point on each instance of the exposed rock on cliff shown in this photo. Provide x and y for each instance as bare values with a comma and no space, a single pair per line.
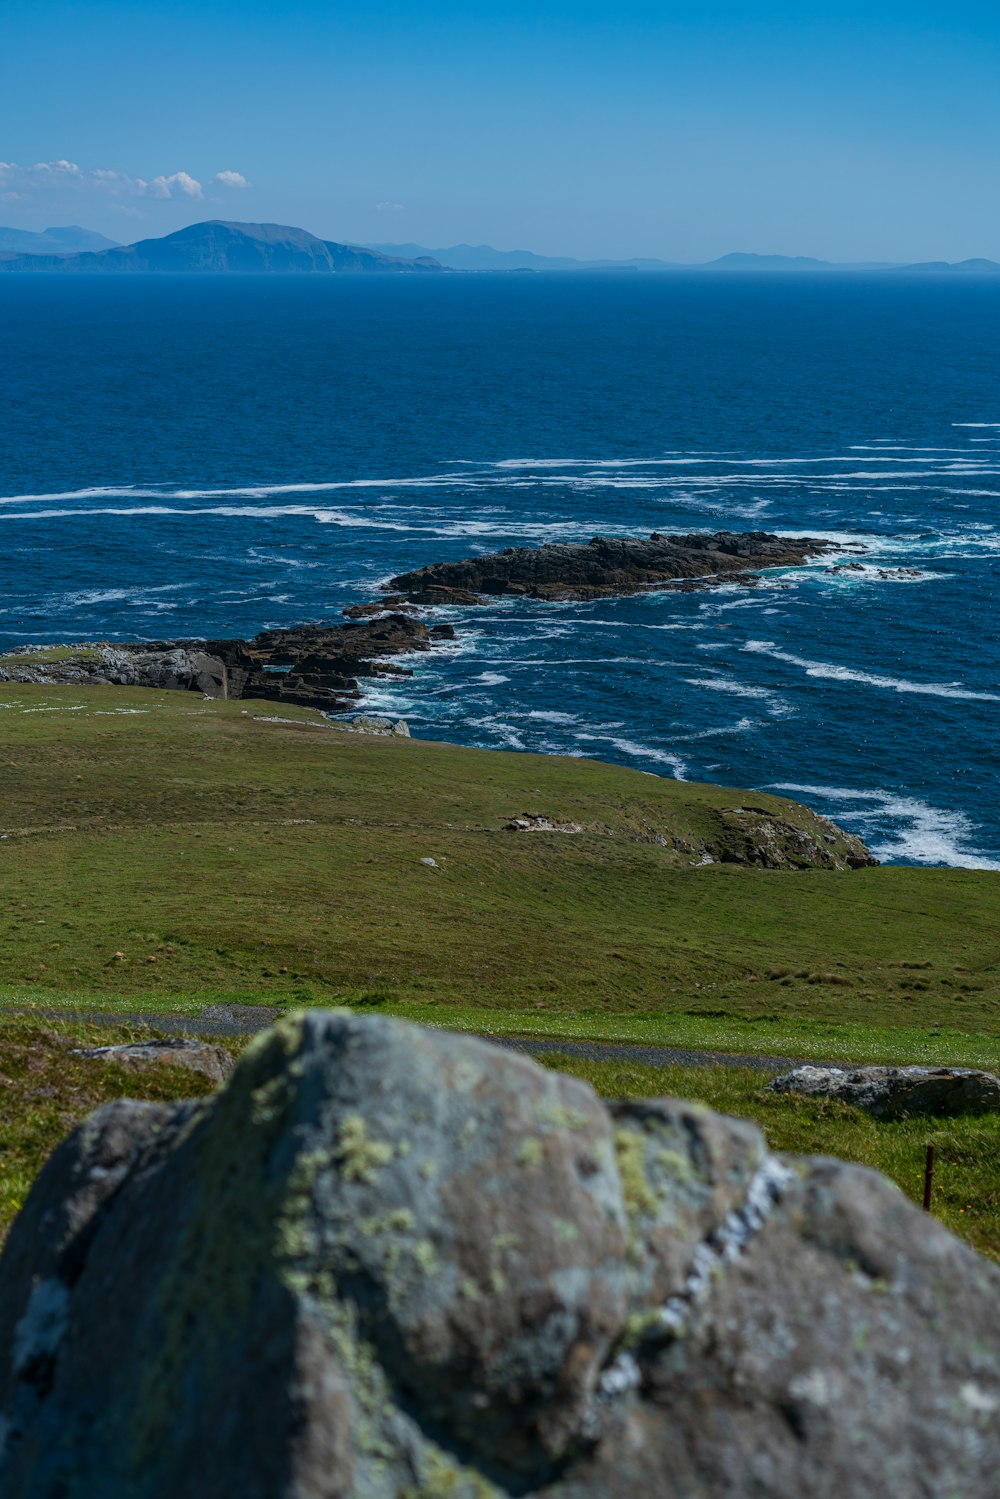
606,565
386,1261
755,835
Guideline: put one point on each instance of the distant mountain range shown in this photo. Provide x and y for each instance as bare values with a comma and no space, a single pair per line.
485,258
217,246
53,241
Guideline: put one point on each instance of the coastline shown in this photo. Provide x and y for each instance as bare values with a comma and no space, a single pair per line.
319,665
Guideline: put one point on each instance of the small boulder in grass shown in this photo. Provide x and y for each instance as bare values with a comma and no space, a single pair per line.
891,1092
213,1062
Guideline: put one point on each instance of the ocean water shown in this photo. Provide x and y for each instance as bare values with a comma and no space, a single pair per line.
214,456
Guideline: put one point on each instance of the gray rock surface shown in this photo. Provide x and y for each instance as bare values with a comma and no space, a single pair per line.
387,1262
213,1062
181,665
371,723
890,1092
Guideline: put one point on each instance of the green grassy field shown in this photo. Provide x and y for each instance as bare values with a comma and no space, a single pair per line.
161,854
169,851
50,655
47,1090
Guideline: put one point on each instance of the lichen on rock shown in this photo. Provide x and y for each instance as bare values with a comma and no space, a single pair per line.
387,1261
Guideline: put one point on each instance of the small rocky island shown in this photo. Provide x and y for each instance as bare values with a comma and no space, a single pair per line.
606,566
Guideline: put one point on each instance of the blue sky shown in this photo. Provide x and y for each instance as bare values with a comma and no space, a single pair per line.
848,131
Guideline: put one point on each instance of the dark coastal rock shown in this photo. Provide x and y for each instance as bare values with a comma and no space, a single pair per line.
892,1092
366,611
213,1062
385,1261
184,665
310,665
606,565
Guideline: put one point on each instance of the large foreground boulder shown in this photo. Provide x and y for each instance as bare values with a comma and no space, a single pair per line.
390,1262
894,1092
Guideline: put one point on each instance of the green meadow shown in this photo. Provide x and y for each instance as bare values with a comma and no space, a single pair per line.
166,851
162,854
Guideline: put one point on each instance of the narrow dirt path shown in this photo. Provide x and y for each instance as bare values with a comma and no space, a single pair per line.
248,1020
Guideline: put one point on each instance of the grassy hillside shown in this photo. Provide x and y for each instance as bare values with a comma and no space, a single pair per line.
167,851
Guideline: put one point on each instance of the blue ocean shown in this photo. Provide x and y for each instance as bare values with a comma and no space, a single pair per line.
212,456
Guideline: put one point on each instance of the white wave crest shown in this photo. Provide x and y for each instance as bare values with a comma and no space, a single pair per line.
777,706
868,678
639,751
923,835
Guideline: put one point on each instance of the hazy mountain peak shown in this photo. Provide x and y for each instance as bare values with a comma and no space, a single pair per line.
225,246
67,240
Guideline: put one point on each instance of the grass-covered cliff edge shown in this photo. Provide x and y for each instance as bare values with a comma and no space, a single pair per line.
162,853
182,851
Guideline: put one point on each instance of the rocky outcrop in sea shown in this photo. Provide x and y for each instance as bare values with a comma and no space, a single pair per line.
385,1261
606,565
319,665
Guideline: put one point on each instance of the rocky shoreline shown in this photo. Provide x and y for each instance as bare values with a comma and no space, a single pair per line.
320,665
307,666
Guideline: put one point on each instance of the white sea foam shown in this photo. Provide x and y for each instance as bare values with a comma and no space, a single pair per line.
629,624
864,573
726,473
491,678
741,726
777,706
867,678
639,751
922,833
497,729
903,447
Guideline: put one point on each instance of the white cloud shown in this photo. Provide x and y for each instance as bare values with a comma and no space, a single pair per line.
389,207
56,169
169,187
46,178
